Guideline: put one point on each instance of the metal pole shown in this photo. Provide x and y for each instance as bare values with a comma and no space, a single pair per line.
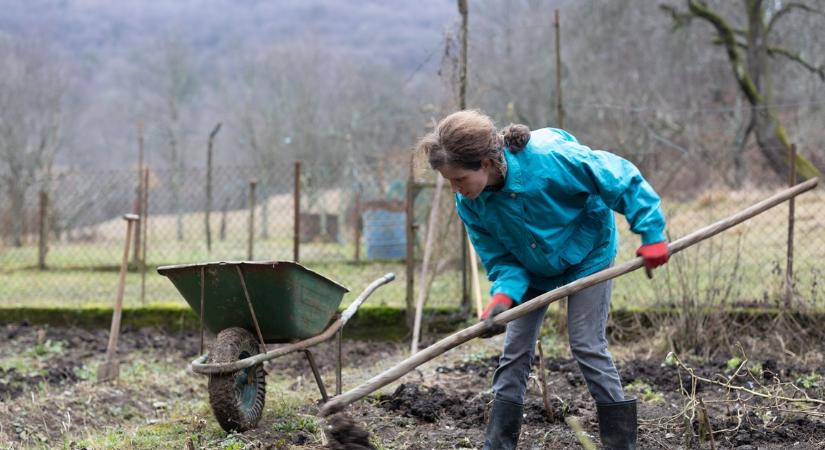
296,232
318,380
203,291
251,237
559,107
338,379
791,207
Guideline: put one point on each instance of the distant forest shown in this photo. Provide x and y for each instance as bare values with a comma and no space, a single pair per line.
655,81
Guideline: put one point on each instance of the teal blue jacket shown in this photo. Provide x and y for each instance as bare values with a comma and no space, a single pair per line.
552,221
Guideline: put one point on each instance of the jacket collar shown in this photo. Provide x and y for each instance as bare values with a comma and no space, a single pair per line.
513,179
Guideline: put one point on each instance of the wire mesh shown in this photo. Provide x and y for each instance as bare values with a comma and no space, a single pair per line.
353,229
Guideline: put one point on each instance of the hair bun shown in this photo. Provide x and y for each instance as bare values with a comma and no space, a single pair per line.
516,137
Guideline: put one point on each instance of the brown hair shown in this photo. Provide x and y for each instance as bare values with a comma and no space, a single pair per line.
465,138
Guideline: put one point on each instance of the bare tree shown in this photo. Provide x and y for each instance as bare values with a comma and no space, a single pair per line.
168,79
749,51
31,119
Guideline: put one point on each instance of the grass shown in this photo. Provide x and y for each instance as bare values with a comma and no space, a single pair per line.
645,392
746,263
178,423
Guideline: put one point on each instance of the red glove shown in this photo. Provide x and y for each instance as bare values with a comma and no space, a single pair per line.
500,303
654,254
499,299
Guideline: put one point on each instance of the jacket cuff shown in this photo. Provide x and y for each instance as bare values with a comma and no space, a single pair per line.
515,293
653,237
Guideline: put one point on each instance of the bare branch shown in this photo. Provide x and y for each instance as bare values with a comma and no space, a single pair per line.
680,19
796,57
727,36
787,9
779,51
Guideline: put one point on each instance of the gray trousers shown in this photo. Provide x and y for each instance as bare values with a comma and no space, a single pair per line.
586,321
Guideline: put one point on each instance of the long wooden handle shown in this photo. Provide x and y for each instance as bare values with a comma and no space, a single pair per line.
449,342
114,332
425,263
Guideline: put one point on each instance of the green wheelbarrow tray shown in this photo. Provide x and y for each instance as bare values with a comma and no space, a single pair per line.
286,301
289,301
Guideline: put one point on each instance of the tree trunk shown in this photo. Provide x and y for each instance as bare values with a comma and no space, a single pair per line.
751,74
17,200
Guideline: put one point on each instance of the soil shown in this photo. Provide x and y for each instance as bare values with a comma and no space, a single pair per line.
441,405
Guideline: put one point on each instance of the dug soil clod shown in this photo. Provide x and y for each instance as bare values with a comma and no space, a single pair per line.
344,434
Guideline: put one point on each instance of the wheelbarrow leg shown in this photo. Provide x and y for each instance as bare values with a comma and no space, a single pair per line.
317,375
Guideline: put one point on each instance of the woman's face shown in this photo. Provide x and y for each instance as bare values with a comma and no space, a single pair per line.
469,183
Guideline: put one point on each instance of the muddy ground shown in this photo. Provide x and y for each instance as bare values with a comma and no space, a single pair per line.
48,397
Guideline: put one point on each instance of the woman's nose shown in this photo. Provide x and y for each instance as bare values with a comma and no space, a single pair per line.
454,187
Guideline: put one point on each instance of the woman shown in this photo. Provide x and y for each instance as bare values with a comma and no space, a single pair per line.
538,208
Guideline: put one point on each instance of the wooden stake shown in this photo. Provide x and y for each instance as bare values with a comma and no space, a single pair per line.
139,197
296,232
422,286
475,278
144,229
545,397
474,331
463,10
208,208
410,236
43,231
791,207
559,107
357,222
251,238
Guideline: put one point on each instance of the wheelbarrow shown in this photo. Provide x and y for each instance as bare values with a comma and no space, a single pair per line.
250,305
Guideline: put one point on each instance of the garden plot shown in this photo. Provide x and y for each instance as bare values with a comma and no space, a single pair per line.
49,398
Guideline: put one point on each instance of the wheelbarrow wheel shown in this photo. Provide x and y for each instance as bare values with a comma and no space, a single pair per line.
237,398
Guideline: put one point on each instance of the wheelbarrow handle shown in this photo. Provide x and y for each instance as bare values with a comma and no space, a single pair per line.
199,365
353,308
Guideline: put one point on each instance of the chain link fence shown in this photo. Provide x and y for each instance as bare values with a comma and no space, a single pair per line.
65,250
352,228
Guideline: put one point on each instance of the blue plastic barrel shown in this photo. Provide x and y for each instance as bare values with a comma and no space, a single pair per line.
385,234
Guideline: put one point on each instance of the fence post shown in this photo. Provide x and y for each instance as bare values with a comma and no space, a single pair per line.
562,321
207,226
144,229
358,226
251,238
139,196
410,229
559,107
462,104
789,259
43,232
296,232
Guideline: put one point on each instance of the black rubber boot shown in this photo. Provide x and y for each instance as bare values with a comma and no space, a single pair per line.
617,424
504,426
